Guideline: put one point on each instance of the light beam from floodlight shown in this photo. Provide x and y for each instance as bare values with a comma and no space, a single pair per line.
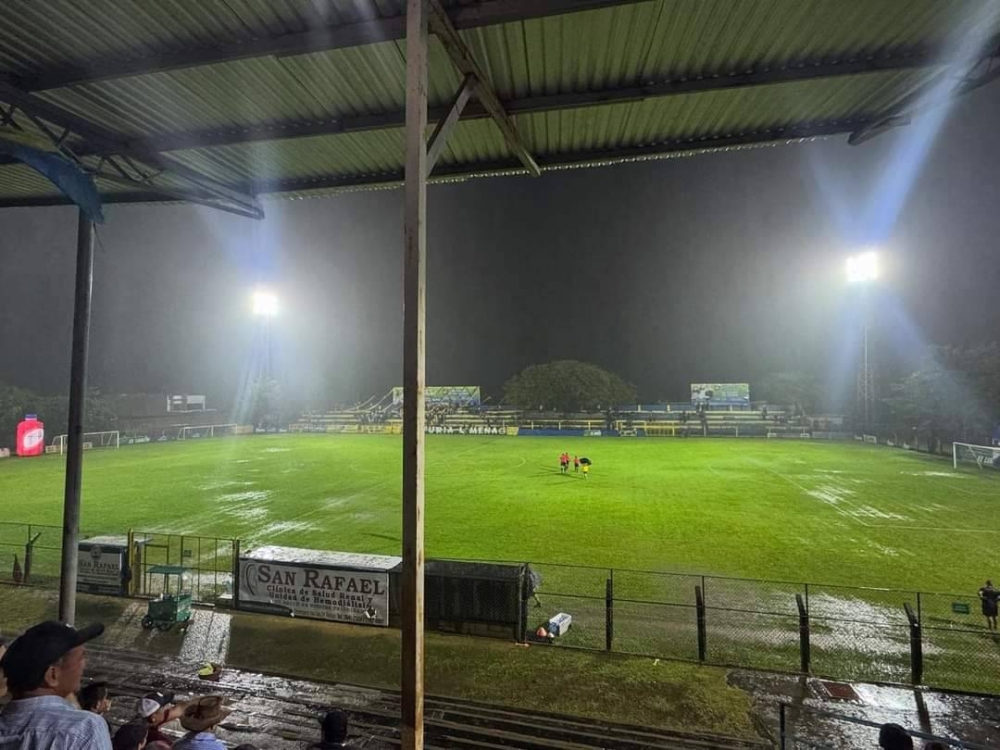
862,268
265,304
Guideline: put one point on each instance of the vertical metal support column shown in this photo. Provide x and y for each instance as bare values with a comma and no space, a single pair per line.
699,603
77,392
609,615
414,309
805,652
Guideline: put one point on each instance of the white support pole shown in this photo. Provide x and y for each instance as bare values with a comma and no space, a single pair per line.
414,309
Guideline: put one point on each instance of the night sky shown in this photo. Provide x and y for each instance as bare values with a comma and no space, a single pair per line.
719,267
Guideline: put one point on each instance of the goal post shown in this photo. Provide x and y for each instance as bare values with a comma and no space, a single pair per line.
188,432
984,456
104,439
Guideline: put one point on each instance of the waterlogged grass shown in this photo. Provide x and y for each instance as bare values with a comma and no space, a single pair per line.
840,514
632,690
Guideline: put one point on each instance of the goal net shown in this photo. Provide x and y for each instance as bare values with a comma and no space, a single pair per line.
106,439
189,432
982,455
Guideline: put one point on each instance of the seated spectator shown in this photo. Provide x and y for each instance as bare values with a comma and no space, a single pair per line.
44,668
200,717
334,731
131,736
95,698
156,709
894,737
3,680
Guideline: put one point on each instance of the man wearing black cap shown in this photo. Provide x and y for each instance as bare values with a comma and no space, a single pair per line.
44,667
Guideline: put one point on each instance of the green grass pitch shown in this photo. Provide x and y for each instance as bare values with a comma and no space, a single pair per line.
833,513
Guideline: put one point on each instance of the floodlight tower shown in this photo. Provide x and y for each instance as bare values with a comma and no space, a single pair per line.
863,271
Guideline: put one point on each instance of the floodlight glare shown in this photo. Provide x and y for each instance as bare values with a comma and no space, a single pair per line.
862,268
265,304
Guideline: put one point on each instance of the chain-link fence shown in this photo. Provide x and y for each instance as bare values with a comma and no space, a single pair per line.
841,632
30,554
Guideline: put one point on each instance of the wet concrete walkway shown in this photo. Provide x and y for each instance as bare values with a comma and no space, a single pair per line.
970,718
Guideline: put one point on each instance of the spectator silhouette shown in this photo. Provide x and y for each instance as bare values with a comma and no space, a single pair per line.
334,729
44,668
131,736
95,698
894,737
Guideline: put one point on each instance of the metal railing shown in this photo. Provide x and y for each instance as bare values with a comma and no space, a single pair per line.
788,739
30,553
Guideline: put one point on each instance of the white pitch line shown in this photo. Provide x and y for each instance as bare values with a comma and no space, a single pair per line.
791,481
933,528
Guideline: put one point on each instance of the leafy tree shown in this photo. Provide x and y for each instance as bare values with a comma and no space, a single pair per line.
52,410
568,386
266,403
953,395
793,387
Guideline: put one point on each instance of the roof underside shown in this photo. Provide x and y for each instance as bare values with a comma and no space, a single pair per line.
192,98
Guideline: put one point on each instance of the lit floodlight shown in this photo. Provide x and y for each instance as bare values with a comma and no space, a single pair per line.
265,304
862,268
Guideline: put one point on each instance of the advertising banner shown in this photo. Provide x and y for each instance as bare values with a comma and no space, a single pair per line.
356,596
721,394
453,395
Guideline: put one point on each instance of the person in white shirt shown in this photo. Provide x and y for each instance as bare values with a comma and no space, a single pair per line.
43,668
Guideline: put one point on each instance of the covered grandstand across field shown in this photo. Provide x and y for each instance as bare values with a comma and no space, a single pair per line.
226,104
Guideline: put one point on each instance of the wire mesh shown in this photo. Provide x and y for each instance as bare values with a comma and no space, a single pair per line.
752,639
961,658
662,630
874,650
37,549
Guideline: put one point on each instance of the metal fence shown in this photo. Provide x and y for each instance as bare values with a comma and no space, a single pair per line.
30,553
201,565
841,632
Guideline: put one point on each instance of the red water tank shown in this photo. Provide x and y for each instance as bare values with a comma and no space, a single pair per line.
30,437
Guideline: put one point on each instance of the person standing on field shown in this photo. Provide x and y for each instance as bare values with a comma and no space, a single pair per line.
576,463
989,597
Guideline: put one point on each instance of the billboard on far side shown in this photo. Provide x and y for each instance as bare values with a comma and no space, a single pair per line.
723,394
454,395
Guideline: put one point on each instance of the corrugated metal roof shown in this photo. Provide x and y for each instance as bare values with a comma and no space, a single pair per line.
640,43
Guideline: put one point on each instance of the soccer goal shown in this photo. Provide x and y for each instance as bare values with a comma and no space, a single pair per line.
189,432
982,455
106,439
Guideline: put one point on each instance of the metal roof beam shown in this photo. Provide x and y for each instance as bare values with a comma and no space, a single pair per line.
465,61
980,73
457,172
138,196
806,70
103,141
446,125
341,36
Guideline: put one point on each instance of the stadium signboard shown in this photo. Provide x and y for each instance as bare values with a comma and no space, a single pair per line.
724,394
441,395
336,586
102,566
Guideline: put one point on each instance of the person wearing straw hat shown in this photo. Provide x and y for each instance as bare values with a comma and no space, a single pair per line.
201,716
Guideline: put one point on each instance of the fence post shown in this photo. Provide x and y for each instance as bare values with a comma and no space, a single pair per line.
916,646
236,574
781,725
609,615
804,651
29,553
700,606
